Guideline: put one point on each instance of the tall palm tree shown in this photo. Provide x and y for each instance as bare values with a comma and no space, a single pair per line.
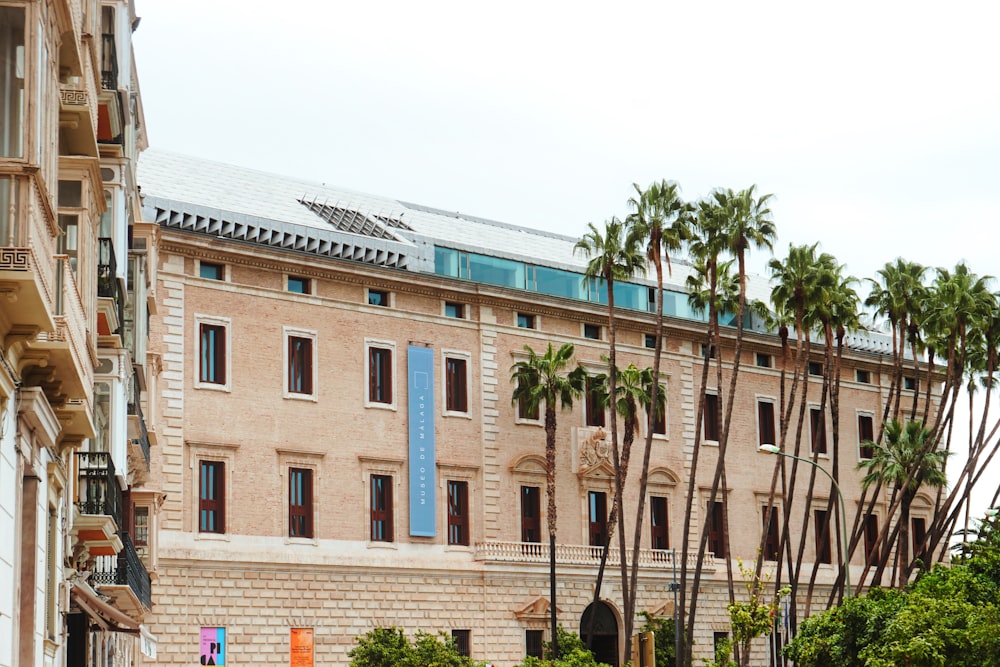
905,462
615,255
662,221
546,380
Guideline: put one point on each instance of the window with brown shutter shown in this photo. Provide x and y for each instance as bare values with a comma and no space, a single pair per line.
458,513
598,511
866,435
716,542
300,502
771,542
711,417
300,380
456,391
765,423
212,497
379,375
530,514
817,430
822,524
658,522
381,503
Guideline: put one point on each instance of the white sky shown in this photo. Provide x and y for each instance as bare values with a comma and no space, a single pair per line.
876,125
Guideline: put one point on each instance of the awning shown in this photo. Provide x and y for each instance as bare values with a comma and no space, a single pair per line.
107,616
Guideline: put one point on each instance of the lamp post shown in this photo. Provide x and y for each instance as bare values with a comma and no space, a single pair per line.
846,561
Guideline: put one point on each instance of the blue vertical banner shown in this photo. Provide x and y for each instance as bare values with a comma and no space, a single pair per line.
420,383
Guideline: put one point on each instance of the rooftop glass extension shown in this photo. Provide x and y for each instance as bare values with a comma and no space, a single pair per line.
557,282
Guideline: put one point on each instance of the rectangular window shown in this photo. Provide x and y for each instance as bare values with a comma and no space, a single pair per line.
381,500
866,436
716,541
717,640
592,331
763,360
379,375
862,376
456,310
595,411
660,420
525,321
531,527
815,368
707,352
210,271
658,522
212,366
533,643
771,542
12,59
378,298
140,526
598,514
458,513
909,383
525,410
462,639
649,340
299,285
300,365
871,539
711,417
212,497
817,430
918,531
822,524
456,390
765,423
300,502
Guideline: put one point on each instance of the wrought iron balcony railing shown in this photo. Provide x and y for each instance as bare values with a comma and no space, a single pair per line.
125,569
99,492
107,277
109,62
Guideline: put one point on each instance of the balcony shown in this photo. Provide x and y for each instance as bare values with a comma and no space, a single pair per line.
124,578
110,298
76,120
578,554
25,291
99,501
138,436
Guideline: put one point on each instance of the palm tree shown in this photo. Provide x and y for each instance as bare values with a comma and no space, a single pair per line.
544,380
905,461
661,220
614,255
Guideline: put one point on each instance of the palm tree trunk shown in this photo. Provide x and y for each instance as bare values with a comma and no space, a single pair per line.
550,491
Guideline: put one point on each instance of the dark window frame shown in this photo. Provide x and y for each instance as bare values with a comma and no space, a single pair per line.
592,331
300,503
772,542
862,376
824,545
298,285
817,431
456,384
379,374
211,271
766,434
871,539
380,493
211,496
597,517
711,419
659,526
534,643
463,641
212,338
592,404
716,537
378,297
458,513
526,321
763,360
454,309
300,365
531,514
866,433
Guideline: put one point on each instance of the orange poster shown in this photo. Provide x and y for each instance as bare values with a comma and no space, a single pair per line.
302,647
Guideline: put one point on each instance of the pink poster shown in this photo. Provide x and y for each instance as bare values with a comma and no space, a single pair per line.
213,646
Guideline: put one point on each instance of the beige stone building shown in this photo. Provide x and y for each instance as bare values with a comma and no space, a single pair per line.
77,271
338,446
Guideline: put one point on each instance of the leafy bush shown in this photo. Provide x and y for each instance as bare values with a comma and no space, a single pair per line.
389,647
572,653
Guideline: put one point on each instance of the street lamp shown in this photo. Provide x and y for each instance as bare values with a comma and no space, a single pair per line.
846,561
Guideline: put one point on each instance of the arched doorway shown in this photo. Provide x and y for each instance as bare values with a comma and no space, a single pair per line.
605,642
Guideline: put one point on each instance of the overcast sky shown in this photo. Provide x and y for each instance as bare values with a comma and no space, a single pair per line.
876,125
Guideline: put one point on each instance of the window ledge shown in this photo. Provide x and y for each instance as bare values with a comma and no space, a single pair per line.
380,406
459,548
294,396
377,544
529,422
212,537
710,443
460,415
211,386
306,541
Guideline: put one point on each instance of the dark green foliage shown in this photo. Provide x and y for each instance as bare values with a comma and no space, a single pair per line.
663,637
948,617
572,653
389,647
